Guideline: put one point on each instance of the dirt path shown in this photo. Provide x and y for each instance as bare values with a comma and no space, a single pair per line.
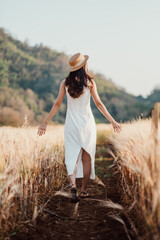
85,220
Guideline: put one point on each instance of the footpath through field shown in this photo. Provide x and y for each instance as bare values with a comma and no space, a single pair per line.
85,220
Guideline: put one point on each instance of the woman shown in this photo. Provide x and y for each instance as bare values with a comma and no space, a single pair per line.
80,126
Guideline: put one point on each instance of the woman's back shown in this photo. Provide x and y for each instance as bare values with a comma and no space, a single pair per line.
81,103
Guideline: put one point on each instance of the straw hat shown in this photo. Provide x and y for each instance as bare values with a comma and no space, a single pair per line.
77,61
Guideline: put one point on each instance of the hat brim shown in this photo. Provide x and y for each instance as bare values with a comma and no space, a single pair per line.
72,69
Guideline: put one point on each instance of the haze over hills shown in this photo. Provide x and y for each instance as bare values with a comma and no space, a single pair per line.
30,79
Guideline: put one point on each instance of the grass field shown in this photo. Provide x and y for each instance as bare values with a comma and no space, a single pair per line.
137,150
31,166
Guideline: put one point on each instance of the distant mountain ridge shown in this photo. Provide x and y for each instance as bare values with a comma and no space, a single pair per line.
30,79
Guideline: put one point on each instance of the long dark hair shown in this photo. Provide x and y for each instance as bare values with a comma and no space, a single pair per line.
77,80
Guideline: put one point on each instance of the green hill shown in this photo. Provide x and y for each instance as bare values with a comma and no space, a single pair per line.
29,83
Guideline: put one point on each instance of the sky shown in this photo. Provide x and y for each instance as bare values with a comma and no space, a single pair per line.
121,37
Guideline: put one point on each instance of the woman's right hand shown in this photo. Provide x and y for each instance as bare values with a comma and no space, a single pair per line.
116,126
42,129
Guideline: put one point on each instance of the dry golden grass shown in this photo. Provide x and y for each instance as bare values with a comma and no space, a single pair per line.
138,157
103,132
29,164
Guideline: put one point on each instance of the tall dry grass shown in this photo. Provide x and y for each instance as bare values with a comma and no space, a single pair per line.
137,155
29,166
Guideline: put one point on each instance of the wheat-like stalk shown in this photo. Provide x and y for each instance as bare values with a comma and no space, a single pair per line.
28,164
139,164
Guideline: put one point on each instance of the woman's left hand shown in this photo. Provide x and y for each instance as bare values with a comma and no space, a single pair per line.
42,129
116,126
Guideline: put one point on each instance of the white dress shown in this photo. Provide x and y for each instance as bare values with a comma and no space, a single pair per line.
79,132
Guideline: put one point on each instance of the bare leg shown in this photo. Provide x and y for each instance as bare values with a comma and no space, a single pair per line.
72,177
86,159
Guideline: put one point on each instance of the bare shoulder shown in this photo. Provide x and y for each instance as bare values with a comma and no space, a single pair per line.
95,94
92,83
63,82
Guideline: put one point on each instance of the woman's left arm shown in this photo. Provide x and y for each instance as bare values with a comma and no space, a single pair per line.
54,109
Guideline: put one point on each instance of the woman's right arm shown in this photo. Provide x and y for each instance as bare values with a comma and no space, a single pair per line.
102,108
